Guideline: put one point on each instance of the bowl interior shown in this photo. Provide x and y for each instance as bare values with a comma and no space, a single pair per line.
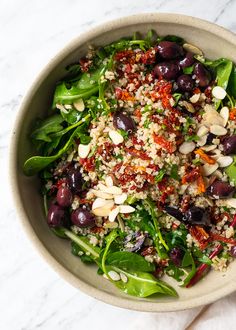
216,43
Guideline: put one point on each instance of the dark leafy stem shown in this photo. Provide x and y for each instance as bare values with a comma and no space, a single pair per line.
36,163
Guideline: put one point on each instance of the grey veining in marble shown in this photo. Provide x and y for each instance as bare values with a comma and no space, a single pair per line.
32,296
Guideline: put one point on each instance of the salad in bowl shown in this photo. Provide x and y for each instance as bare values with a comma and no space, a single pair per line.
137,165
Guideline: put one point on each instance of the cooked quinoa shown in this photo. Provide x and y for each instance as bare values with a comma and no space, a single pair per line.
149,169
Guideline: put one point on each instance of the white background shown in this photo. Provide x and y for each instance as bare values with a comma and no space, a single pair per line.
32,296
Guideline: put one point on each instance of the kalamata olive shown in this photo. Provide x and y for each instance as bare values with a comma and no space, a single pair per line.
64,196
185,83
220,189
56,216
197,216
176,255
233,251
166,70
202,75
170,50
210,138
82,218
174,212
229,145
188,60
124,122
75,180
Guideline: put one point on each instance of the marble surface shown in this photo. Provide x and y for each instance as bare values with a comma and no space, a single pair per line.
32,296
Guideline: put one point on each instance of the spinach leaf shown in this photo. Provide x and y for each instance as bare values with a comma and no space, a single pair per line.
76,250
188,69
174,172
173,38
175,272
72,116
129,261
141,284
223,72
84,244
232,82
46,127
67,95
37,163
231,171
160,175
109,240
188,261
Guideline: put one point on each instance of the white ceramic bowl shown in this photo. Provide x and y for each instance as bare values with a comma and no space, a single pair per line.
215,42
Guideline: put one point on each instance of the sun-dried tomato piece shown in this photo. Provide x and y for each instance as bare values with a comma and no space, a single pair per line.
165,144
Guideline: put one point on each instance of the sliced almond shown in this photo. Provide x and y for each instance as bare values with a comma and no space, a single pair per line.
209,148
120,199
231,202
83,150
126,209
224,112
189,107
218,174
114,275
109,181
99,202
218,130
187,147
216,154
224,161
202,141
192,49
103,211
116,137
195,98
219,92
112,190
79,105
211,116
101,194
208,169
203,130
113,214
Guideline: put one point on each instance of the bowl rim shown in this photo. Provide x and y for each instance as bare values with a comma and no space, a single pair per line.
145,306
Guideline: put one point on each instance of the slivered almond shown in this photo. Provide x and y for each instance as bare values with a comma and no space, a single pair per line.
218,130
224,112
216,154
83,150
219,92
211,116
192,49
224,161
203,130
79,105
109,181
99,202
126,209
208,169
218,174
101,194
195,98
231,202
120,199
116,137
112,190
187,147
113,214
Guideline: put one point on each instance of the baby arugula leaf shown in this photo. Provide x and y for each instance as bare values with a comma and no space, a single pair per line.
46,127
141,284
109,240
129,261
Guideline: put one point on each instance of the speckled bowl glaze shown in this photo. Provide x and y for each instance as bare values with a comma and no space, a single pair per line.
216,42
